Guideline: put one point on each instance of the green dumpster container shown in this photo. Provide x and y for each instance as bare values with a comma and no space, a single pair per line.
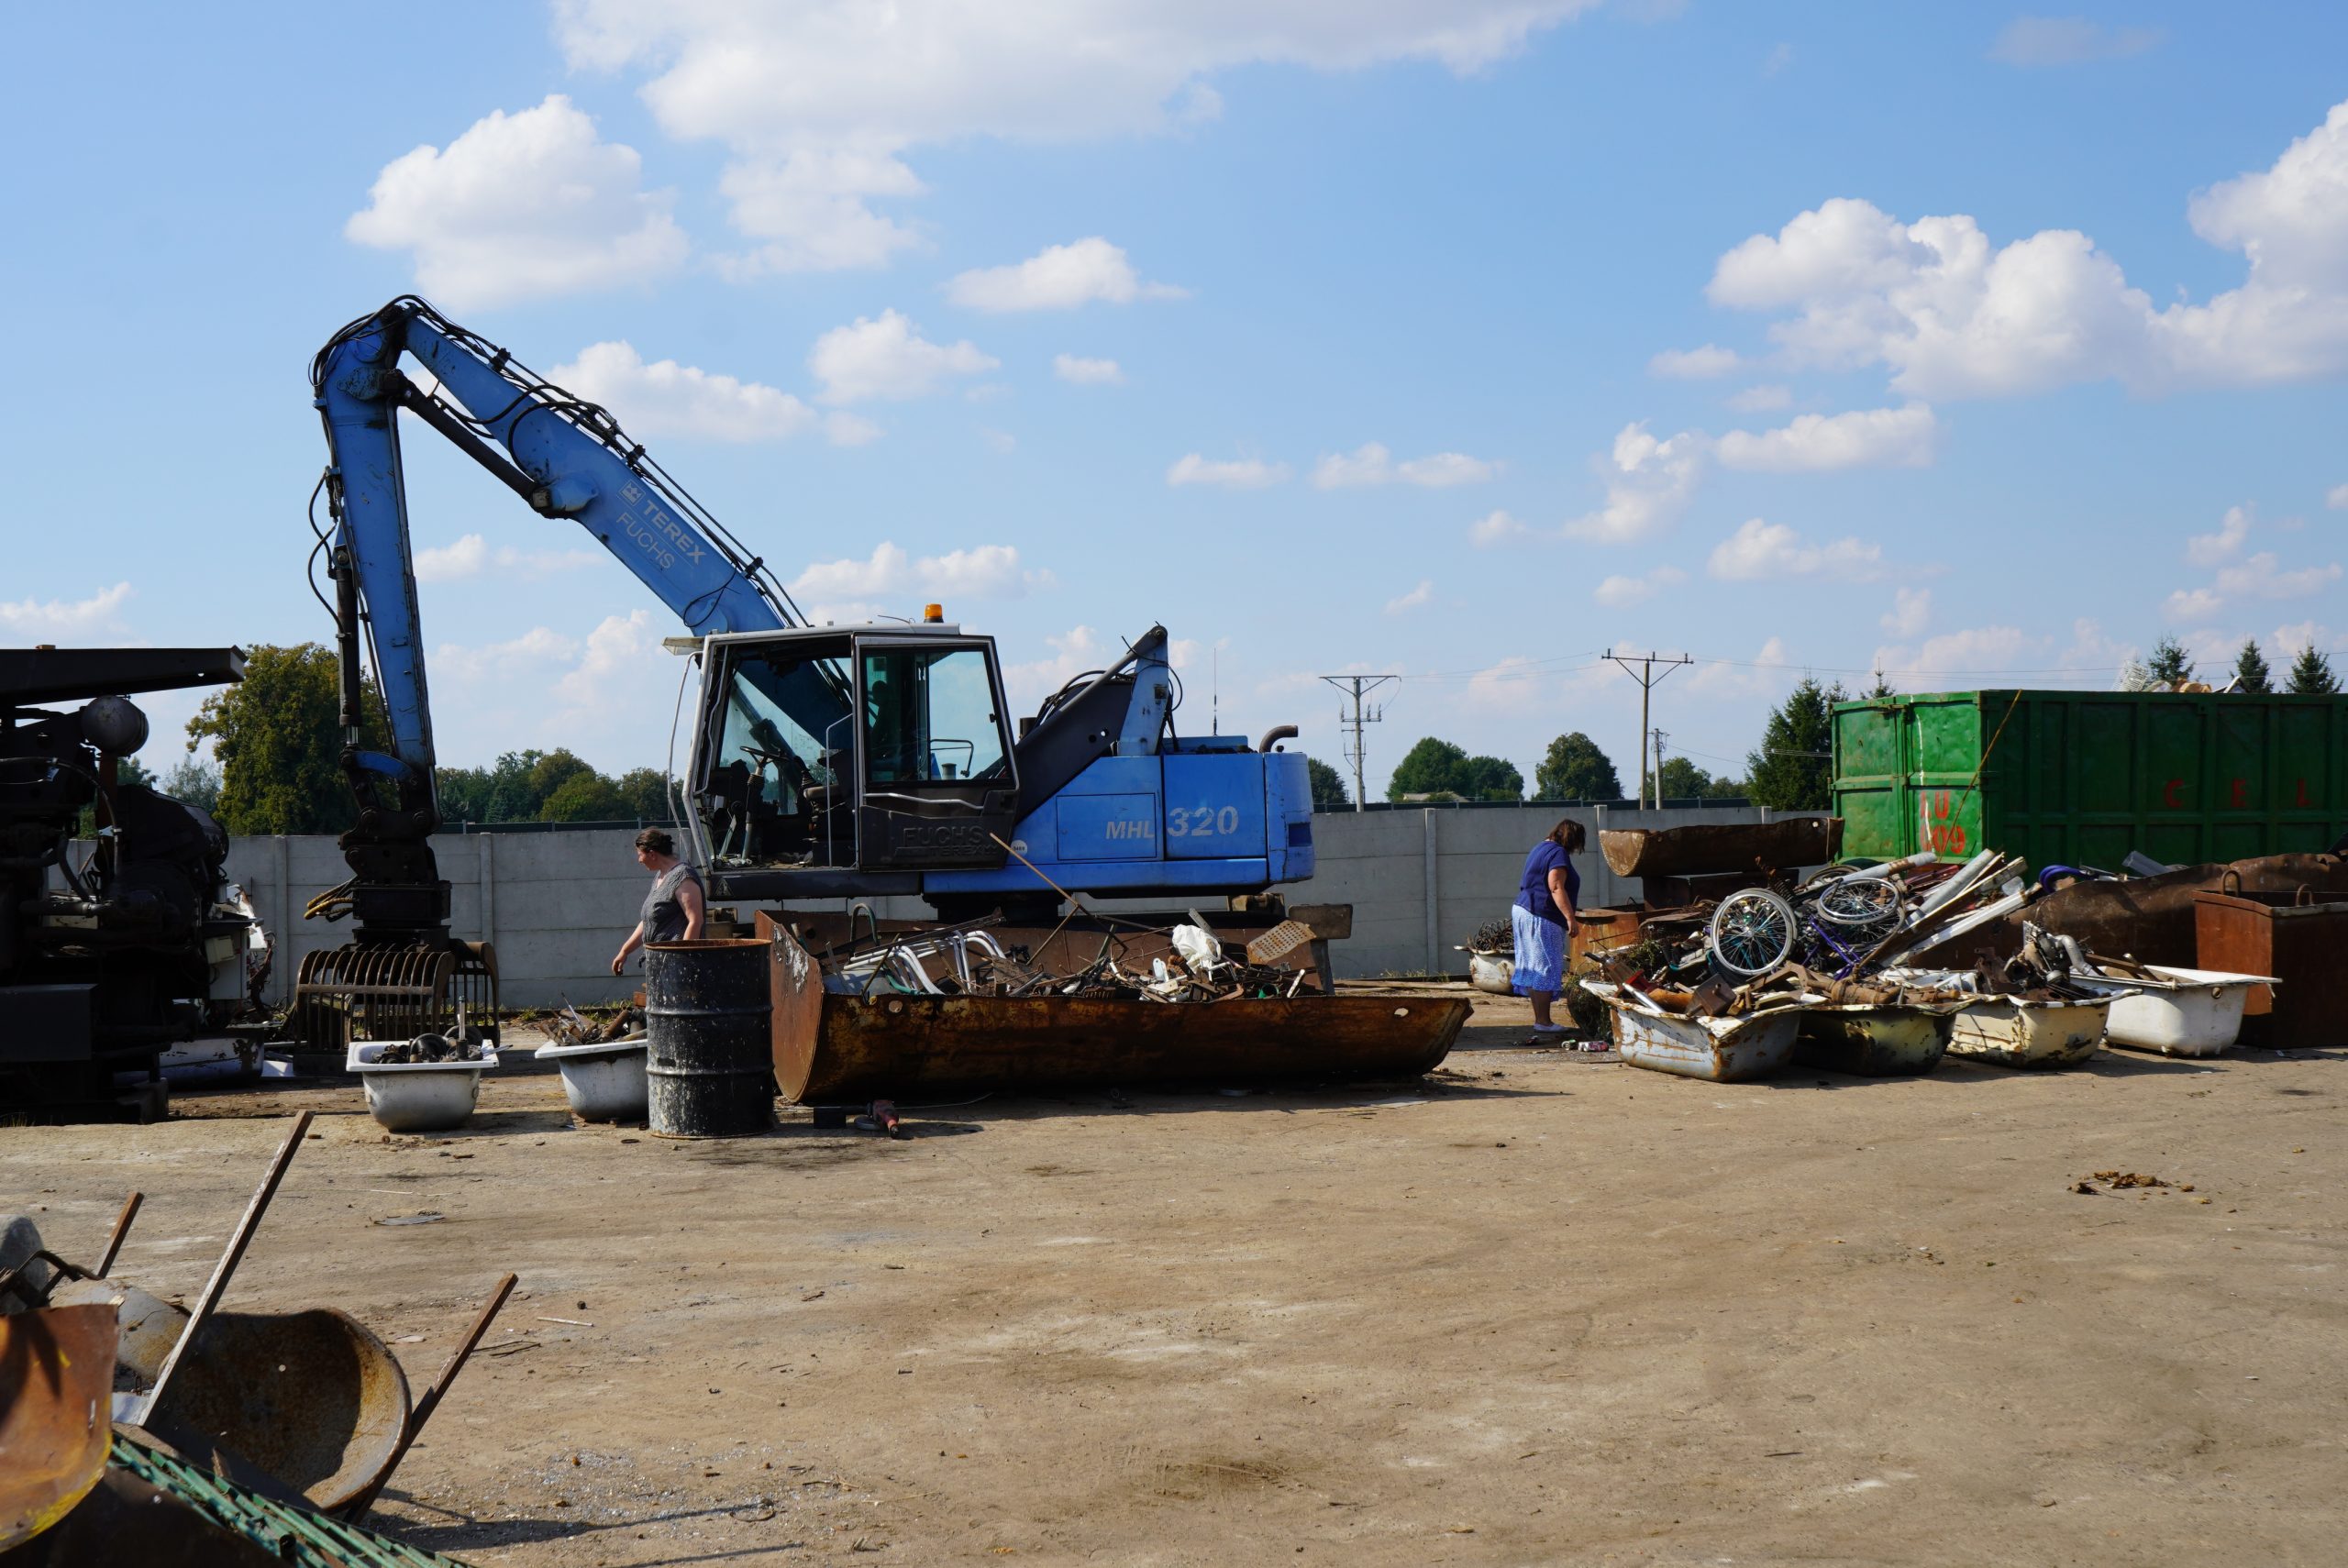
2082,778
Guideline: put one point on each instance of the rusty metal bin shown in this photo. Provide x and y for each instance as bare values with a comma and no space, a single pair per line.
2292,936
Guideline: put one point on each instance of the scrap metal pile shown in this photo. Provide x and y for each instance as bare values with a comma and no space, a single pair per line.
1838,936
1189,965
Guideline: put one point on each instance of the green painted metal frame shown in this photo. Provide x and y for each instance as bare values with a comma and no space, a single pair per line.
2082,778
300,1536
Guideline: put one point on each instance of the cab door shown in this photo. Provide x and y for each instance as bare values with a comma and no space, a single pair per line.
937,783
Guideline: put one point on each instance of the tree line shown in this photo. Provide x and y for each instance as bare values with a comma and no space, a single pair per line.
2171,668
1788,771
277,745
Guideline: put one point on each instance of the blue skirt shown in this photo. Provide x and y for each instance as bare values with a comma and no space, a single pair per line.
1540,952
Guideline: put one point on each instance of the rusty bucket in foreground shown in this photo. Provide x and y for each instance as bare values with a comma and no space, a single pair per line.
842,1050
56,1382
311,1398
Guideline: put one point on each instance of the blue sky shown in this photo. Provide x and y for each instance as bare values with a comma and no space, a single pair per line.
1456,340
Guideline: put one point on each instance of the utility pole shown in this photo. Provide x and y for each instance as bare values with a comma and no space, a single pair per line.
1646,677
1659,738
1359,686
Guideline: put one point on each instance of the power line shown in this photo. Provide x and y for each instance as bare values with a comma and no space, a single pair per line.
1360,686
1646,677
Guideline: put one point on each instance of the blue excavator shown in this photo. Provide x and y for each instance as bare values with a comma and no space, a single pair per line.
826,761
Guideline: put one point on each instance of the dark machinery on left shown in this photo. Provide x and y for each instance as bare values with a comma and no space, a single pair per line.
111,950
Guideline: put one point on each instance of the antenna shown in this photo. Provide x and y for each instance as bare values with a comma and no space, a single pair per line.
1359,686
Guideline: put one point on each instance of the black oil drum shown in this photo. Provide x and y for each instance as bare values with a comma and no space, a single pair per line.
709,1064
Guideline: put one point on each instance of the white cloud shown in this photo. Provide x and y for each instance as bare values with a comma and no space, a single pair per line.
852,87
521,207
2209,549
844,429
888,357
1764,673
1910,611
620,646
2263,577
1779,58
987,571
1760,551
2192,604
2069,40
1949,317
1995,652
1058,277
1421,595
2290,639
505,660
1081,649
470,555
1619,591
1002,442
1242,473
1086,373
1695,364
38,620
1495,528
1649,483
2336,498
1813,442
1371,463
667,399
809,206
1766,398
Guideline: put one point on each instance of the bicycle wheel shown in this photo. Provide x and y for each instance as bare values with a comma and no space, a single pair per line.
1752,932
1873,902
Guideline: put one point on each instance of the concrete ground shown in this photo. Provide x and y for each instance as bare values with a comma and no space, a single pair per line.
1535,1309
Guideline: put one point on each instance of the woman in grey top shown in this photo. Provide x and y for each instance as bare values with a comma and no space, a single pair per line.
674,909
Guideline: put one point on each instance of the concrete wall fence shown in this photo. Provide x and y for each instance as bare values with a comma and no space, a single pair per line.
557,905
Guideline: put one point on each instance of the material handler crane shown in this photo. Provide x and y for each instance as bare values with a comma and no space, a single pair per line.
826,761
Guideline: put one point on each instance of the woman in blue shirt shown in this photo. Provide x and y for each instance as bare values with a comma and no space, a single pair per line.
1544,917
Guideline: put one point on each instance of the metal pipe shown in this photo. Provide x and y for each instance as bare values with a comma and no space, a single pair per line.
121,1230
1276,735
218,1284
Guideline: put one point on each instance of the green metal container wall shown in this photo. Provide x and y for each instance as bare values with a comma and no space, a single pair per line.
2082,778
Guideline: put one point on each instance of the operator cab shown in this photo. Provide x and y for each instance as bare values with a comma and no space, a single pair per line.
824,754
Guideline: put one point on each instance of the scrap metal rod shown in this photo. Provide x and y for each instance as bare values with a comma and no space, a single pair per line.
218,1284
356,1509
121,1230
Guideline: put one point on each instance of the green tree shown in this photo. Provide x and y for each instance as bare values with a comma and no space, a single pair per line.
1881,687
585,796
1681,779
644,794
1438,769
2251,674
1492,778
195,781
1791,771
1573,769
2311,674
2170,666
464,793
1431,767
278,738
1329,791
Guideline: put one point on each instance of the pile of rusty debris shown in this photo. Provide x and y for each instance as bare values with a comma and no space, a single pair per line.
137,1431
1183,963
1882,968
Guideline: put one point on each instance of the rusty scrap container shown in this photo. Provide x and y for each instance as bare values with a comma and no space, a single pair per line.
2082,778
832,1049
2292,936
708,1066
